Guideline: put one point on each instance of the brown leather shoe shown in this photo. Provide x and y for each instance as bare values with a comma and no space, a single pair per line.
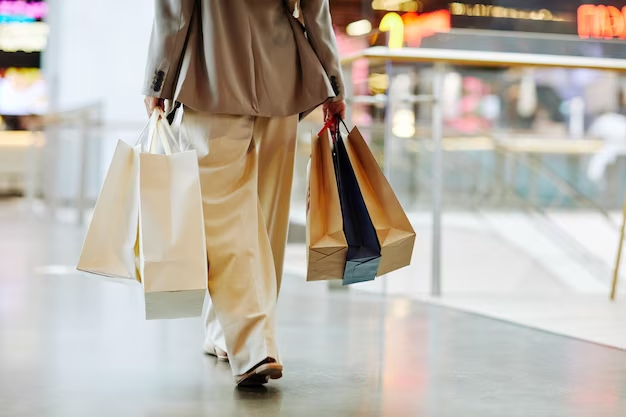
261,373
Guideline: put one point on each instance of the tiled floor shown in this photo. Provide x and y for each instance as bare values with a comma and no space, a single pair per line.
74,345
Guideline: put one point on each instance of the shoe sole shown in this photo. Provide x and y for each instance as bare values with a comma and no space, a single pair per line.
261,375
221,358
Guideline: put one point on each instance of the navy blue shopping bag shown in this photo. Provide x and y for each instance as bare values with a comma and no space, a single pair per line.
363,255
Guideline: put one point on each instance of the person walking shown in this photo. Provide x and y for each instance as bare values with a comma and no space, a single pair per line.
245,72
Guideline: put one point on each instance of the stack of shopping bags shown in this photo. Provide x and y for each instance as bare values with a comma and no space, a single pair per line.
148,224
356,227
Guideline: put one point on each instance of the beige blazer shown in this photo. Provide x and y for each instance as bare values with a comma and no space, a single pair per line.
244,57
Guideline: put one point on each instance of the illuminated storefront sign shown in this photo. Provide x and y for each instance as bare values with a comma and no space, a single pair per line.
603,22
31,37
487,10
413,27
397,5
393,24
22,11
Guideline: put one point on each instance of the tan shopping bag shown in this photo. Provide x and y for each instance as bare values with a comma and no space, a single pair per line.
395,233
326,242
109,247
173,259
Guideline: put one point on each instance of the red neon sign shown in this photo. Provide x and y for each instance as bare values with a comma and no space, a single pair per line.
603,22
419,26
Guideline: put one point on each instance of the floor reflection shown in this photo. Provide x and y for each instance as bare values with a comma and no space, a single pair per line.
72,345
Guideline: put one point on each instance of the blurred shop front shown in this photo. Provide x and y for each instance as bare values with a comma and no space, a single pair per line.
23,96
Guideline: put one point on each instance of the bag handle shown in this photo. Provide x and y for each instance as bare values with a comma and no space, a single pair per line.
335,128
157,126
162,137
147,126
327,125
168,131
339,121
334,125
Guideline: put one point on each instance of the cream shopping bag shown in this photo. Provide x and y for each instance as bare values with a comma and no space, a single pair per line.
326,243
109,248
161,244
395,233
173,259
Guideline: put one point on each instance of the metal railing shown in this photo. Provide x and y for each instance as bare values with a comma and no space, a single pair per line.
87,128
85,121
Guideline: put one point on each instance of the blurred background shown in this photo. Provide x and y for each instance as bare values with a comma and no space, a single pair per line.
529,118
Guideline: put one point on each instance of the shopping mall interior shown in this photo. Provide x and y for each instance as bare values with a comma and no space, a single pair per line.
501,127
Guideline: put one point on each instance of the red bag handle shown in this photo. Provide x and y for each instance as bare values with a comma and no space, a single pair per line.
326,126
334,122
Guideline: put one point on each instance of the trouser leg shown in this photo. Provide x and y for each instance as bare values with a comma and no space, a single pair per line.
214,331
276,139
242,277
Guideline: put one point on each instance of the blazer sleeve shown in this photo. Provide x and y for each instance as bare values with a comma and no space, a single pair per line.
319,29
167,42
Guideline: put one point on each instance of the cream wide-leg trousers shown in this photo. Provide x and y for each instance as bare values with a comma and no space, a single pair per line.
246,174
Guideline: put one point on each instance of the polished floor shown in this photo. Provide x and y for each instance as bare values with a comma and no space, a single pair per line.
75,345
505,266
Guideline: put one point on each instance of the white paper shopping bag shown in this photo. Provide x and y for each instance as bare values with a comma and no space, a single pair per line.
109,247
173,258
148,224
